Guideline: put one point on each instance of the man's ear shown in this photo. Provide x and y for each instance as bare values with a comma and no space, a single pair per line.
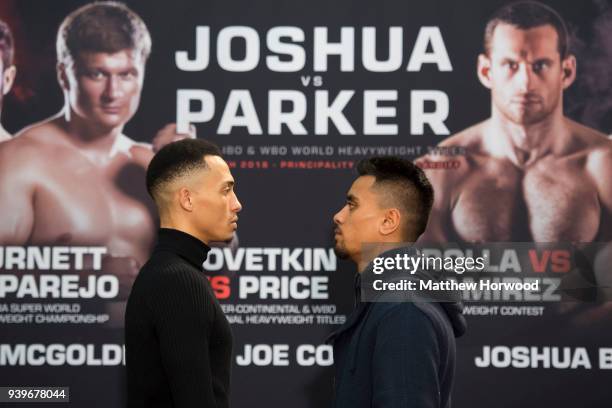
8,79
568,67
62,77
390,222
184,196
484,70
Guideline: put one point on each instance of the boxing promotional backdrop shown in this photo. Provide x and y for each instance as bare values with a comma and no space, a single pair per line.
295,94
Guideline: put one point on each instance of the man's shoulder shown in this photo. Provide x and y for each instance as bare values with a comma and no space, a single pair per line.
42,137
595,145
585,140
26,147
448,163
390,312
165,262
470,137
458,145
601,154
165,269
586,133
403,318
41,133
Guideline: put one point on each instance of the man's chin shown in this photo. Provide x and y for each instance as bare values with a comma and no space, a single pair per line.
224,238
341,252
108,124
109,119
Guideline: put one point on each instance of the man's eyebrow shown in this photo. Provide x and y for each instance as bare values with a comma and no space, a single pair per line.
543,59
229,183
508,59
130,69
351,198
87,68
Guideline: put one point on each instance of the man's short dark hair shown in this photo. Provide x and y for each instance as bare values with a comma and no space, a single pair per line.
108,27
6,45
525,15
176,160
406,187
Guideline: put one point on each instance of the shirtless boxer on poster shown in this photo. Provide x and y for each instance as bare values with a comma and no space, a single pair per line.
75,178
7,69
528,173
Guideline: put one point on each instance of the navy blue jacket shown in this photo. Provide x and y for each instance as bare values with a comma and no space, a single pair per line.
397,355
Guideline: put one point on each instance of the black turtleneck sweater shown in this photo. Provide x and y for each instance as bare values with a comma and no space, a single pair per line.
178,341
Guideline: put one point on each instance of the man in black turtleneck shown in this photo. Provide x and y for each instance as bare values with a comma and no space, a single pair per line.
178,341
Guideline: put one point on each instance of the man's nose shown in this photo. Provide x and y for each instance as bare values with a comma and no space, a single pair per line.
338,217
237,207
524,77
112,90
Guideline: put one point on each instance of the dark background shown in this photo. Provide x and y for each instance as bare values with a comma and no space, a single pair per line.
294,208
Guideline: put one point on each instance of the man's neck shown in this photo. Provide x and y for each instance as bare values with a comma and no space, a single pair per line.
88,135
525,144
97,143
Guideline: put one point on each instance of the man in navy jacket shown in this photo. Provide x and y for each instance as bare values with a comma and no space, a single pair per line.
391,354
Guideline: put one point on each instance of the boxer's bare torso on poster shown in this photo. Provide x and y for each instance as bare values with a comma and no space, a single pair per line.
494,195
60,191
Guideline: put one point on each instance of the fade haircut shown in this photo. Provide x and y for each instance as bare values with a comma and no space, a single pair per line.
525,15
176,160
404,186
6,45
107,27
